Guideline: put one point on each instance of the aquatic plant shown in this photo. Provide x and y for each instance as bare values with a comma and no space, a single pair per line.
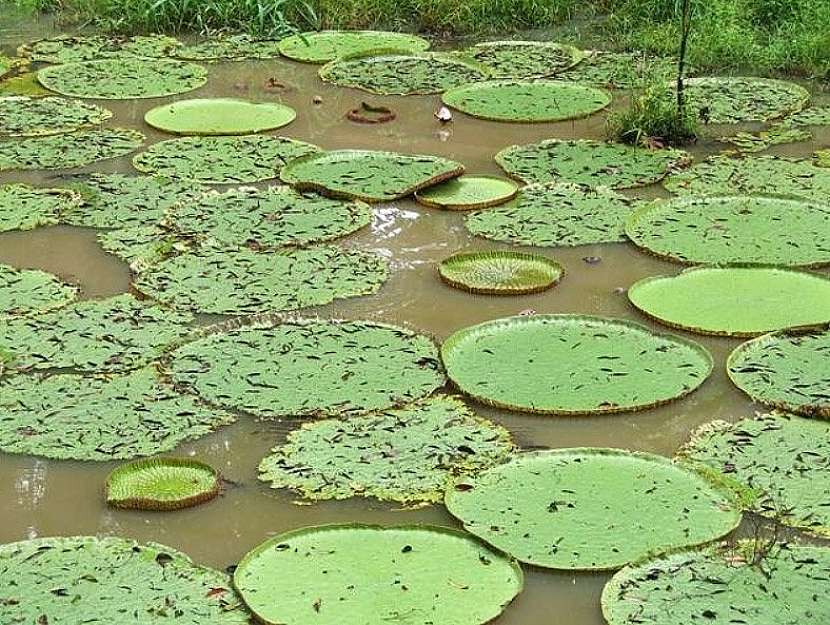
468,192
328,45
23,116
524,59
70,150
26,207
24,291
219,116
500,272
162,484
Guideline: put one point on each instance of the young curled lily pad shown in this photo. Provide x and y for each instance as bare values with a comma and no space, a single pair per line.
24,291
468,192
620,70
389,574
500,273
67,151
406,455
162,484
219,116
524,59
590,509
328,45
732,100
23,207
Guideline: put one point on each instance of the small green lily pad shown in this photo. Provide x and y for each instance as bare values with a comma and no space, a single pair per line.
22,116
468,192
162,484
23,207
328,45
230,47
620,70
68,151
737,99
525,59
500,272
219,116
24,291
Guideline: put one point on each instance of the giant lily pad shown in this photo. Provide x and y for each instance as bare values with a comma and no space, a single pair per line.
22,116
24,291
103,417
139,246
392,73
57,581
621,70
328,45
731,100
734,229
788,369
468,192
123,78
219,116
407,455
527,101
500,272
68,150
162,484
308,368
524,59
734,301
572,364
749,142
221,160
23,207
555,214
758,582
361,574
115,334
72,49
813,116
369,175
590,509
593,163
245,282
231,47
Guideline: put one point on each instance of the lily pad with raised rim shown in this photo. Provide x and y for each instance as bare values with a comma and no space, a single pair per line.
328,45
219,116
68,151
23,207
139,246
468,192
812,116
500,272
73,49
524,59
24,291
162,484
749,142
620,70
230,47
23,116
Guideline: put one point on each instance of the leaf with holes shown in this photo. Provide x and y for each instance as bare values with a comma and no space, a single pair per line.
24,291
68,150
23,116
23,207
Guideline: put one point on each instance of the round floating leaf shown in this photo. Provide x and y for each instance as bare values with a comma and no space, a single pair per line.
24,291
57,581
369,175
361,574
622,70
115,334
219,116
139,246
407,455
23,207
787,369
758,582
68,150
162,484
555,214
734,301
123,78
308,368
68,49
222,160
572,364
500,273
524,59
233,47
226,282
327,45
736,229
468,192
392,73
813,116
22,116
748,142
590,509
525,101
593,163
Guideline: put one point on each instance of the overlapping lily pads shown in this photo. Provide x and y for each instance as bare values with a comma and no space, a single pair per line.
222,160
593,163
274,368
734,301
162,484
525,59
24,291
500,272
407,455
590,509
468,192
621,70
22,116
328,45
139,246
230,47
219,116
369,175
23,207
72,49
572,364
788,369
733,99
812,116
68,150
363,574
61,580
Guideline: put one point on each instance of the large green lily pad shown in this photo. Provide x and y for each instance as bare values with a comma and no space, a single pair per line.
115,334
267,218
123,78
751,142
759,582
23,207
734,301
231,47
103,417
590,509
222,160
593,163
226,282
524,59
734,229
67,151
407,455
139,246
162,484
274,368
392,73
24,291
732,99
501,272
572,364
219,116
72,49
620,70
328,45
58,581
367,574
555,214
812,116
22,116
468,192
788,369
527,101
369,175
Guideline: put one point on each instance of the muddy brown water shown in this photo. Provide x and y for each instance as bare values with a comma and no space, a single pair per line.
44,497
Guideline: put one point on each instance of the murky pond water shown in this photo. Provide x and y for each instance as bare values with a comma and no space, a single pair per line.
42,498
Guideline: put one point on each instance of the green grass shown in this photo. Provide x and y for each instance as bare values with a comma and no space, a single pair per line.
653,119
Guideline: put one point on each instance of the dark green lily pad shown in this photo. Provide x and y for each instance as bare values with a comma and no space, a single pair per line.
468,192
115,334
554,215
273,368
24,291
732,99
734,301
222,160
749,142
369,175
368,574
123,78
139,246
734,229
590,509
219,116
620,70
500,272
68,151
23,207
407,455
328,45
524,59
58,581
572,364
812,116
593,163
162,484
22,116
72,49
231,47
788,369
